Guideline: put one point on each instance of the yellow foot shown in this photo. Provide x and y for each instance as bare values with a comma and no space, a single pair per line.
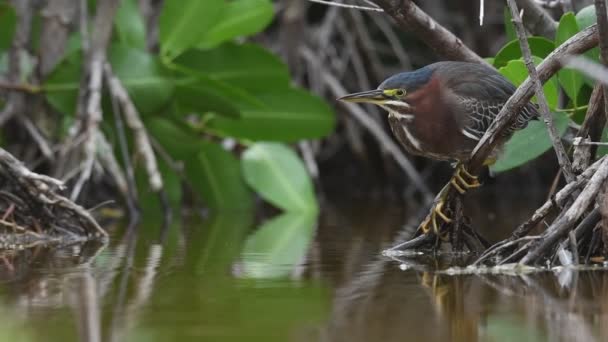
430,223
462,180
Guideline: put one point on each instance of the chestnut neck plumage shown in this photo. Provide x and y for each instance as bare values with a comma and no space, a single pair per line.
428,127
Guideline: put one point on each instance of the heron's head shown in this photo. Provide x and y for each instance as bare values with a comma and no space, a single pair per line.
394,93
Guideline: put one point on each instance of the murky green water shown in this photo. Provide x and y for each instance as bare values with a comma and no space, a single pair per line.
209,281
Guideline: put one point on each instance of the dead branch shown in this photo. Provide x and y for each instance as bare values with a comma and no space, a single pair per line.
562,157
536,19
562,225
590,129
133,121
16,55
92,115
42,191
577,44
412,19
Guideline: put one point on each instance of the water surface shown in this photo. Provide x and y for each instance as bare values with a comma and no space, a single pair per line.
301,279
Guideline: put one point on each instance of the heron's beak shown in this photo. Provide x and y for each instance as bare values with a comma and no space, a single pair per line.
372,96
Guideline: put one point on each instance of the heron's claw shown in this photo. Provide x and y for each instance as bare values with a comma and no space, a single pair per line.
430,223
462,180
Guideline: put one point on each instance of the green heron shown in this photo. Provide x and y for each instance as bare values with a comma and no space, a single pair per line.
441,111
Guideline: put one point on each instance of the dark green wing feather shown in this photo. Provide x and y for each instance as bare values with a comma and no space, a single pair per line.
482,91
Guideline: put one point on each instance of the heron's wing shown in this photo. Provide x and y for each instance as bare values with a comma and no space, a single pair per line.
483,113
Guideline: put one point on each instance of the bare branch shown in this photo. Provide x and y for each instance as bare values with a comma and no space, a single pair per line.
338,4
562,157
92,115
602,26
579,43
132,118
412,19
562,225
537,20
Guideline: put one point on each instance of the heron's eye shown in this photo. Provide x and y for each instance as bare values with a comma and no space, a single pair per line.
399,92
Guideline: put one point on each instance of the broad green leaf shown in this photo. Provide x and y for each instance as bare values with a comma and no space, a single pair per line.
147,81
203,95
276,173
283,115
184,22
180,142
276,247
8,20
238,18
529,143
570,80
509,27
516,72
247,66
130,25
585,18
216,175
539,46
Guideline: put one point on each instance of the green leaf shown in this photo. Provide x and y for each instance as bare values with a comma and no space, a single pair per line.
130,25
516,72
585,18
529,143
239,18
205,96
509,27
216,174
279,176
247,66
8,20
276,247
570,80
180,142
149,84
539,46
184,22
283,115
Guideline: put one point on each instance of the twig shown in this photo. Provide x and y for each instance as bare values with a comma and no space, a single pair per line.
579,43
92,115
602,27
562,157
132,118
562,225
412,19
413,243
481,11
43,188
338,4
591,129
131,187
537,20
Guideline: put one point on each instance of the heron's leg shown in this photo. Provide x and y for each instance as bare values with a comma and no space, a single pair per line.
462,180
